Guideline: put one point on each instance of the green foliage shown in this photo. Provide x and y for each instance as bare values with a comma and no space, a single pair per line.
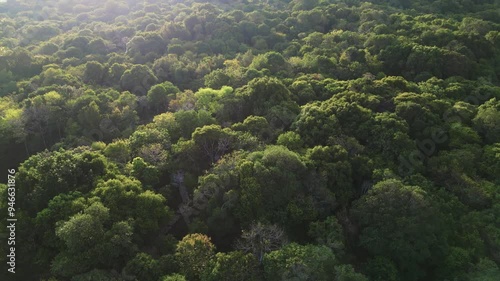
367,129
94,72
487,120
261,95
273,61
209,99
143,267
256,125
485,270
381,268
118,151
44,176
128,201
315,125
291,140
145,137
297,262
271,182
90,242
213,141
173,277
233,266
332,163
138,79
393,205
160,95
97,274
347,273
147,174
329,233
7,83
194,253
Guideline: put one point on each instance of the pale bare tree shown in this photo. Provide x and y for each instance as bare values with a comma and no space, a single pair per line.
261,239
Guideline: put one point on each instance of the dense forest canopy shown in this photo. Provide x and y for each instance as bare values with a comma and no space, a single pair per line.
251,140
